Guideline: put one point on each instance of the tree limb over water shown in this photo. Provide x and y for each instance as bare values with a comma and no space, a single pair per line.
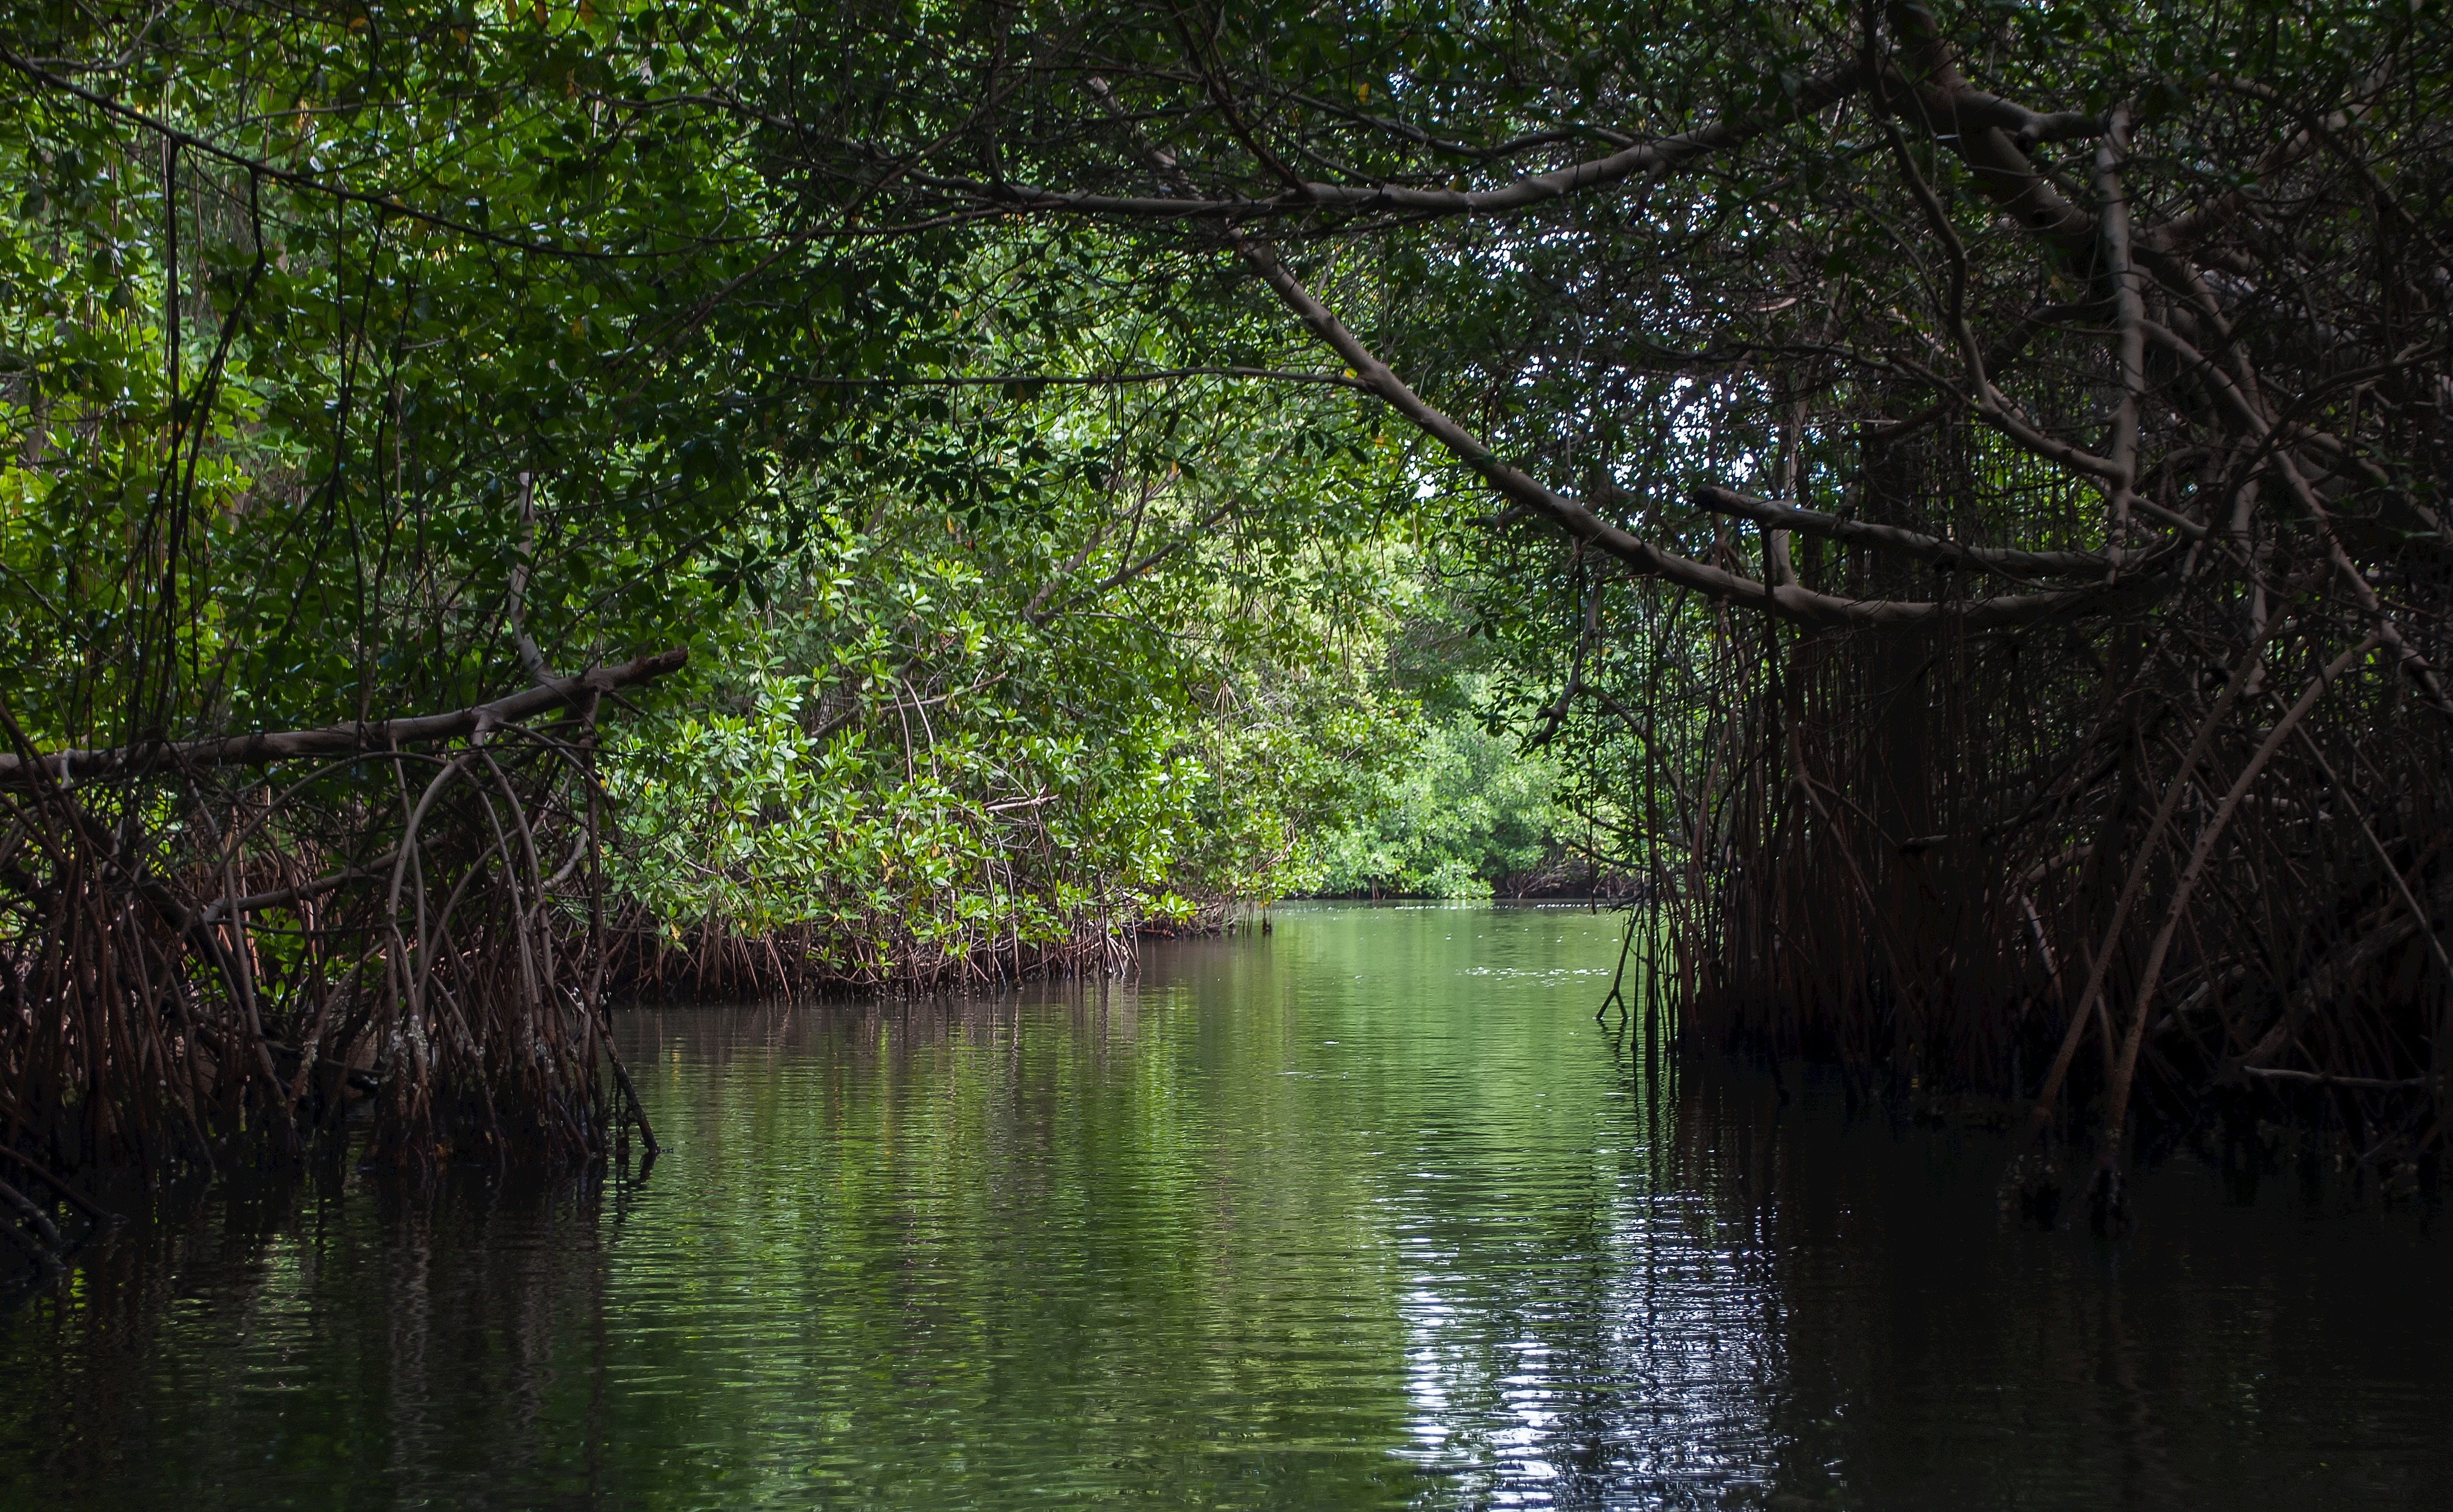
575,693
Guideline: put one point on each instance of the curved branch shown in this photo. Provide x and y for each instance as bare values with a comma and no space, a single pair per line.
340,740
308,182
1539,188
1923,548
1788,601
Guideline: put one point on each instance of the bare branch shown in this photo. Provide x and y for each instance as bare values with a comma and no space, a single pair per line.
338,740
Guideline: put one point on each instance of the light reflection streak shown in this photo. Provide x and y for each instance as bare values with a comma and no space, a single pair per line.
1558,1386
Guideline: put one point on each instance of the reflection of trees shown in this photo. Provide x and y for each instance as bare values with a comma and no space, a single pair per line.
1367,1215
1934,1352
338,1348
1614,1331
1025,1232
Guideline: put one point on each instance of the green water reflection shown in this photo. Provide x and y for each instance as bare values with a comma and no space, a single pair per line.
1250,1233
1368,1213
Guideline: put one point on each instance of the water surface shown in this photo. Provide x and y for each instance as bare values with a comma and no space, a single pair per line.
1367,1213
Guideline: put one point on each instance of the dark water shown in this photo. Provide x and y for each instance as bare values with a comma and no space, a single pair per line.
1368,1213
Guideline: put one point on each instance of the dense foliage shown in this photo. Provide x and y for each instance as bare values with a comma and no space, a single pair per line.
366,362
1469,812
393,337
934,748
1970,476
1955,493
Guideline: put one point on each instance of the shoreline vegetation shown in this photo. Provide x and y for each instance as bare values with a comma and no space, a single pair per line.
1947,503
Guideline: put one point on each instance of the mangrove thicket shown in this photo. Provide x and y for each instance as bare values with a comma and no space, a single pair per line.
506,507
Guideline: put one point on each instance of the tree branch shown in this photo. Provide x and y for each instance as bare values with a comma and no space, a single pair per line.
1935,549
338,740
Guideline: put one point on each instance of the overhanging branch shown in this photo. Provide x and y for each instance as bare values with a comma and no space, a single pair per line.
339,740
1910,543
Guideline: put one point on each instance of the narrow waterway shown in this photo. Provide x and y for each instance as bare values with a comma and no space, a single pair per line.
1368,1212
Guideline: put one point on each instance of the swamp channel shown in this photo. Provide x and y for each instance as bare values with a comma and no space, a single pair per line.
1369,1211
